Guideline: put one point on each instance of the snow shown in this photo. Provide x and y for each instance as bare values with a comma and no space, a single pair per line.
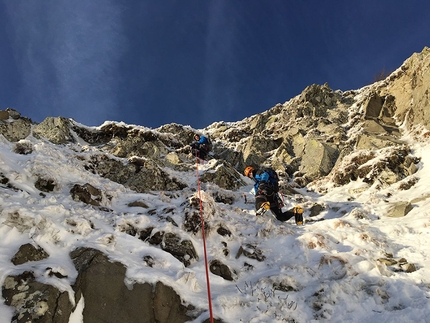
331,264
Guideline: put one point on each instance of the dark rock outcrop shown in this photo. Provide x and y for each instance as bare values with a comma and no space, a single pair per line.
86,193
101,283
108,299
29,252
34,301
56,130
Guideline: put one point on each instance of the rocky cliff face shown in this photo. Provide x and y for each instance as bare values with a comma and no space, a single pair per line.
308,135
316,140
405,93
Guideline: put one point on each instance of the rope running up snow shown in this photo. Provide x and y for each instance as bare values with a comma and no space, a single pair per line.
204,241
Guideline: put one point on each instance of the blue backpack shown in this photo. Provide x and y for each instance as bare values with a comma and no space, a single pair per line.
208,143
273,177
205,142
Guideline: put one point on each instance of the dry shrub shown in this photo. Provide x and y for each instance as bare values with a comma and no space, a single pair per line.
347,171
317,241
328,259
23,148
341,224
359,252
359,214
367,238
407,184
426,225
364,237
419,133
382,75
312,245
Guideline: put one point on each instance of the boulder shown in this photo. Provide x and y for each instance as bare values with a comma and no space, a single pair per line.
140,174
373,106
318,159
13,113
45,184
23,147
16,130
255,149
408,91
399,209
218,268
4,115
86,193
181,249
372,142
34,301
29,252
101,282
223,175
56,130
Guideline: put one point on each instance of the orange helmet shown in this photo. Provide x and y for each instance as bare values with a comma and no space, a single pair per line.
248,170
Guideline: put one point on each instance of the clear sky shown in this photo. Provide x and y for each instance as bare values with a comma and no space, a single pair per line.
194,62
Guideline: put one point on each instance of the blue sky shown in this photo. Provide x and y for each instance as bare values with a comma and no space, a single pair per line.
194,62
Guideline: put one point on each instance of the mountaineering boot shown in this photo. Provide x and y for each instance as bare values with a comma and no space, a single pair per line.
263,208
298,214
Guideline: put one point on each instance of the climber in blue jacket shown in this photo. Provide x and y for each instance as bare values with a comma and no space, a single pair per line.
201,146
266,189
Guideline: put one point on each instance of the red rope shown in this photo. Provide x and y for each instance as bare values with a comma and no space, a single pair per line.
282,195
204,242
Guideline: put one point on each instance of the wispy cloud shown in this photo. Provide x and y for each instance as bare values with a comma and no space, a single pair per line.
68,53
220,61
